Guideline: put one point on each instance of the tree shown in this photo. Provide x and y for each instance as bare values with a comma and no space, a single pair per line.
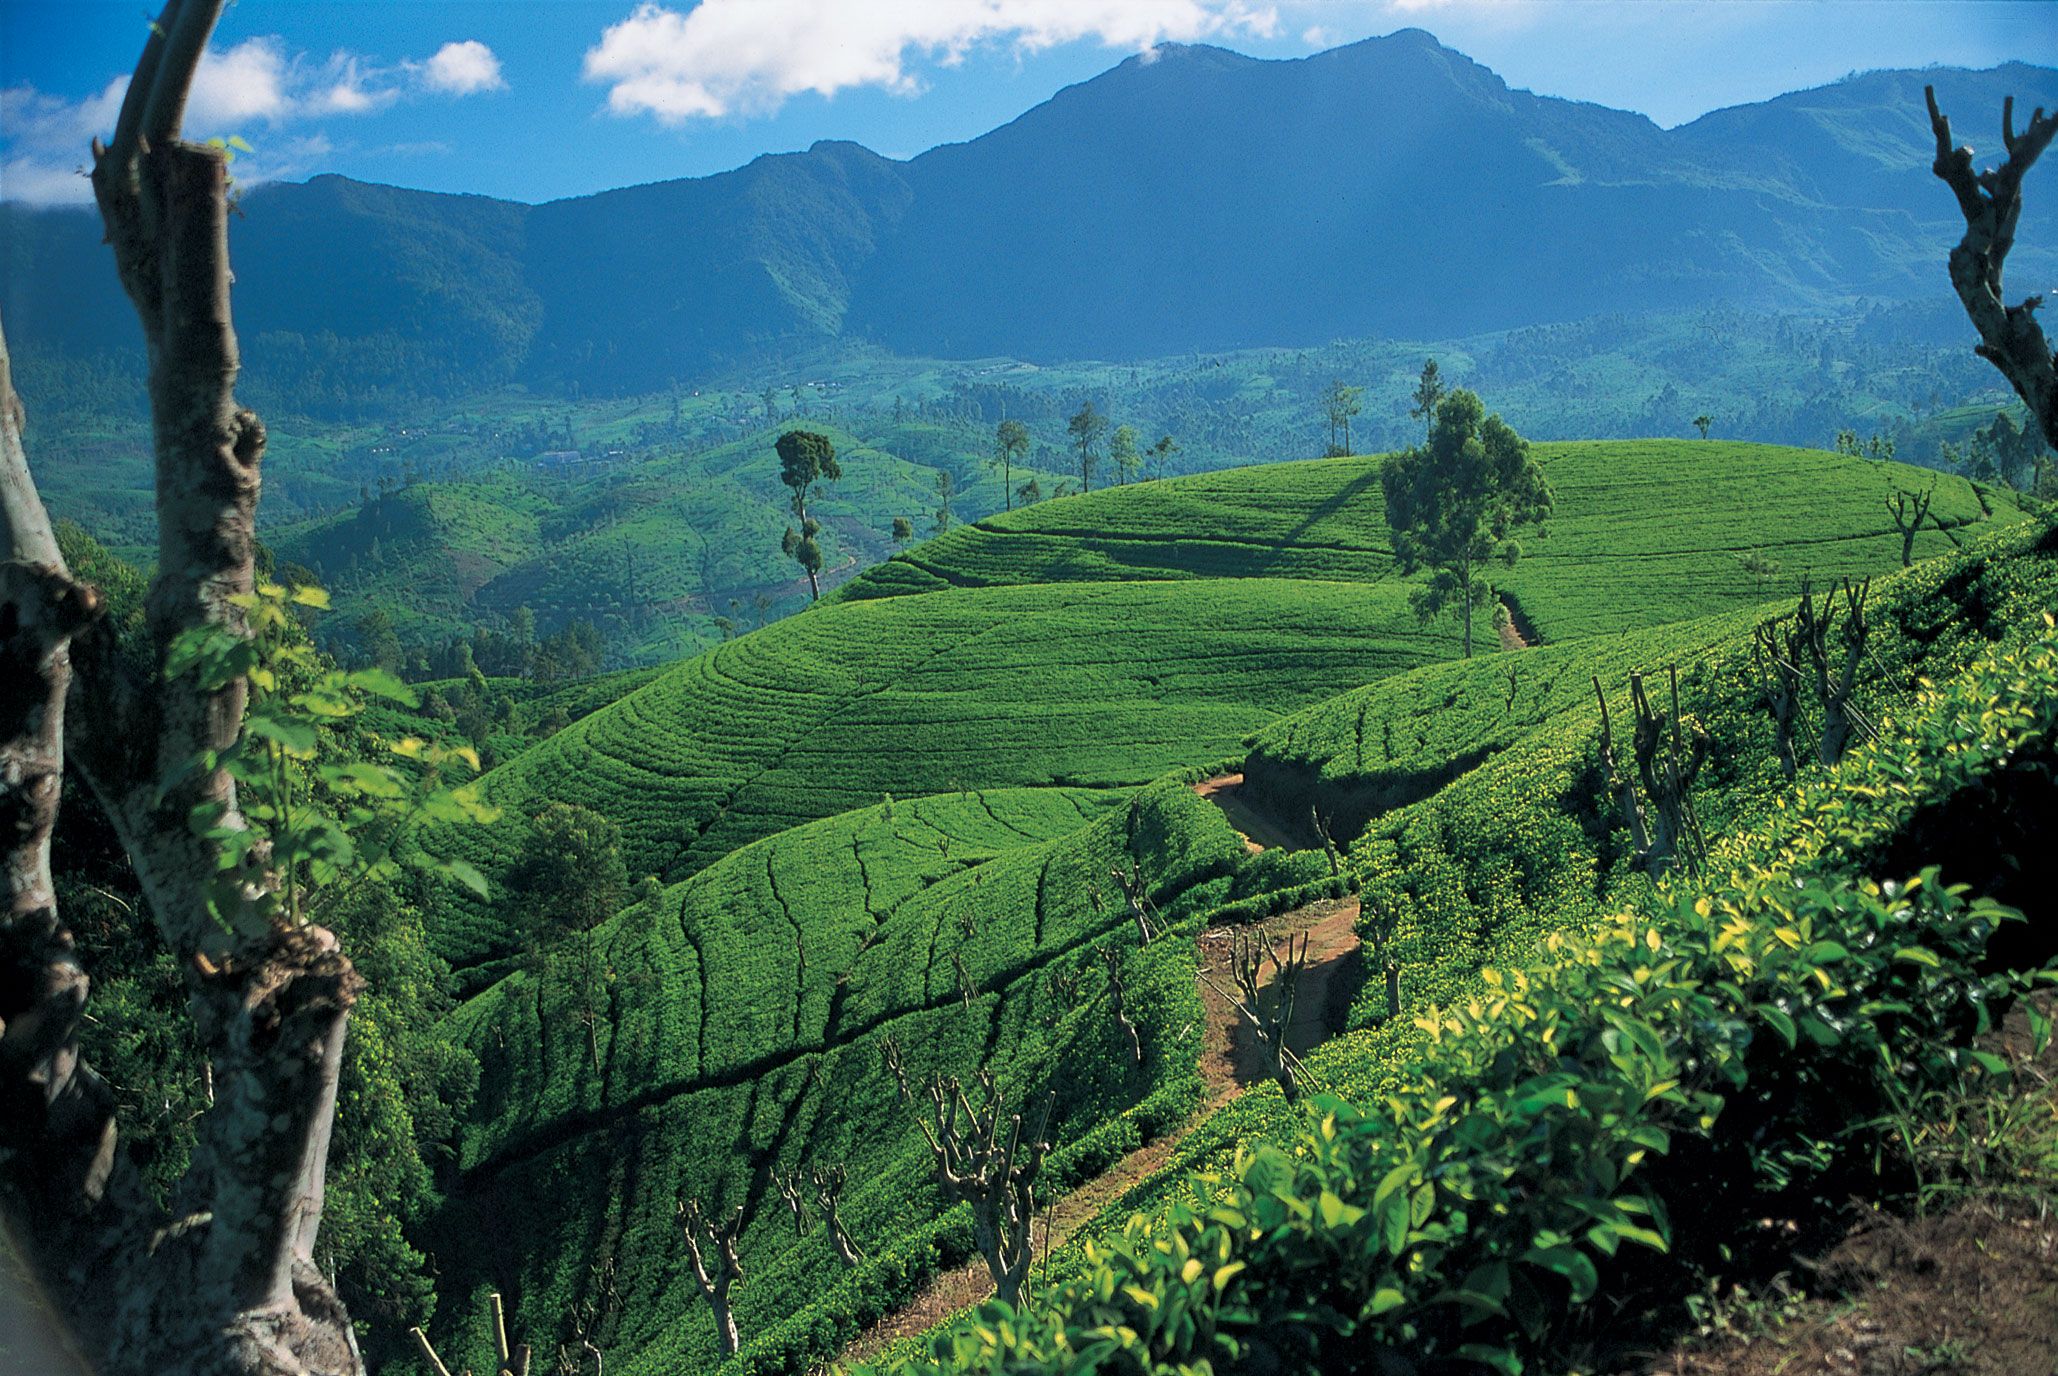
806,457
228,1283
903,530
1124,452
1991,203
1340,402
1029,493
1270,1021
1702,422
1428,395
1086,427
1456,503
981,1159
946,488
1010,443
1160,454
709,1240
1909,512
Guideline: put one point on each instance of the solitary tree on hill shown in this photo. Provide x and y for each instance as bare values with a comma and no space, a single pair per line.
806,457
1909,512
1340,402
1991,202
1124,452
1455,504
946,488
1702,422
1160,454
1429,392
1010,444
1086,427
903,530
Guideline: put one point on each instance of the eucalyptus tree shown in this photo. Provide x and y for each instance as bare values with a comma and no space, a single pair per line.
1010,445
807,458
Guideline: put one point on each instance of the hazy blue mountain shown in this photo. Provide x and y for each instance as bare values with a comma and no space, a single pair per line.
1193,198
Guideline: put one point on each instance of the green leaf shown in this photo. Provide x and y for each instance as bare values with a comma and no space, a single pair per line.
296,738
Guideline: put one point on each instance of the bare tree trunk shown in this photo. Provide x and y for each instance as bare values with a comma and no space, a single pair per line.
1991,202
226,1282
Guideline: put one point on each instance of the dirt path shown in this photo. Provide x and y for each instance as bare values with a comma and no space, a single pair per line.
1230,1062
1511,634
1259,829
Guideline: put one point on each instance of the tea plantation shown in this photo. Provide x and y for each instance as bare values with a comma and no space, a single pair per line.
733,1025
892,816
1644,531
1598,1083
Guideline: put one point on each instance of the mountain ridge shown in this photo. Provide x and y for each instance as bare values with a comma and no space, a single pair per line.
1191,198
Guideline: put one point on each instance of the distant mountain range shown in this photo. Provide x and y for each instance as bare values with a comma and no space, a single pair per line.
1192,198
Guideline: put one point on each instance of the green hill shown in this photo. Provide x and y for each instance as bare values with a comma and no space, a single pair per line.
1643,1084
1644,532
1012,686
741,1016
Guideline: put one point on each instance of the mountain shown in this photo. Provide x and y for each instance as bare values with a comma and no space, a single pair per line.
1189,198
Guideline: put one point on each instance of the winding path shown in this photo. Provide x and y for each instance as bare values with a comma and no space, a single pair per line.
1230,1062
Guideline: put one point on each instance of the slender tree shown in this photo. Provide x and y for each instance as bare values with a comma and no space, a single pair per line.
1428,394
946,489
1086,427
1124,452
1455,504
806,458
1991,202
224,1282
1160,454
1010,445
1340,403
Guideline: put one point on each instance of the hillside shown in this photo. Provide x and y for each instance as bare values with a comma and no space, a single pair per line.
1745,1014
1012,685
351,293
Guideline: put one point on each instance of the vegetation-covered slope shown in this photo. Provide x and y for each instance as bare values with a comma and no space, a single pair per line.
1605,1114
1644,531
733,1025
1092,684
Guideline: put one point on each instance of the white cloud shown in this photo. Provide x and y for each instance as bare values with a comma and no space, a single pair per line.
253,90
749,56
463,69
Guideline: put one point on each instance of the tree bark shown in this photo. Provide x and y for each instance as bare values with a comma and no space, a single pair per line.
225,1281
1991,202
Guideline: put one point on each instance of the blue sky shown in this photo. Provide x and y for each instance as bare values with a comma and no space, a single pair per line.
536,99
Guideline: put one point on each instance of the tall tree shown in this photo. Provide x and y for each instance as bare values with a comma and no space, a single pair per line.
1086,427
1991,202
1341,402
225,1280
1010,443
1161,453
946,488
806,458
1124,452
1428,395
1455,504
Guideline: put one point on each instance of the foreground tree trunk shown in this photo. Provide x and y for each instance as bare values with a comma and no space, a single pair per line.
224,1281
1991,202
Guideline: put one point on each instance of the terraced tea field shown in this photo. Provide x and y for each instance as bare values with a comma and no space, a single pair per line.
1094,685
739,1030
1644,531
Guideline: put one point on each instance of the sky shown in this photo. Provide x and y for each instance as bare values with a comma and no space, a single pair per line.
538,99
